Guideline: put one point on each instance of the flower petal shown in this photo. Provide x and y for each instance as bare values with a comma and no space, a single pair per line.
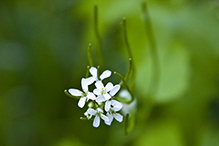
84,84
107,105
75,92
81,102
100,99
97,91
118,117
105,118
105,74
93,71
91,96
90,112
99,110
110,117
91,80
96,122
116,106
114,90
107,96
99,85
109,86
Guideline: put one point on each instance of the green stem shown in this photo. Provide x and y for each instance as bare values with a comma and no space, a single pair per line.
83,118
126,38
89,56
129,52
99,41
148,104
127,87
126,124
130,68
155,58
87,71
98,72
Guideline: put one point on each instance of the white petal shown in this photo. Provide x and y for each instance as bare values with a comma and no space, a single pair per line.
107,96
81,102
91,96
109,86
105,118
99,85
84,84
91,80
110,117
96,122
116,105
100,99
93,71
75,92
99,110
107,105
89,113
114,90
105,74
97,91
118,117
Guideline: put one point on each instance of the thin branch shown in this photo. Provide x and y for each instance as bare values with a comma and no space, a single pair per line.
129,53
98,38
89,56
155,58
127,87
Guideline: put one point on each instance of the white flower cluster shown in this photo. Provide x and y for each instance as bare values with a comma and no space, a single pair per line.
101,101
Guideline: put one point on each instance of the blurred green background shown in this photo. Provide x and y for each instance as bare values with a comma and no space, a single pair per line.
43,48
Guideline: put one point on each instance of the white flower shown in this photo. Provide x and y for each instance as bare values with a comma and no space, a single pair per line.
112,107
102,92
85,96
98,113
93,71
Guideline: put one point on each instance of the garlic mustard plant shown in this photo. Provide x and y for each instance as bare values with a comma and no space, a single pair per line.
102,102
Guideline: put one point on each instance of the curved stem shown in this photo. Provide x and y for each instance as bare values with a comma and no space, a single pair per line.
126,124
129,52
128,73
130,68
127,87
155,58
126,38
99,41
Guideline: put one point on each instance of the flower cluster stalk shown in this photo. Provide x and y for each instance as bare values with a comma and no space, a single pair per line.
155,57
98,38
131,66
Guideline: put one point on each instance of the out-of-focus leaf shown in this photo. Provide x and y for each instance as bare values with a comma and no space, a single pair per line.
164,132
